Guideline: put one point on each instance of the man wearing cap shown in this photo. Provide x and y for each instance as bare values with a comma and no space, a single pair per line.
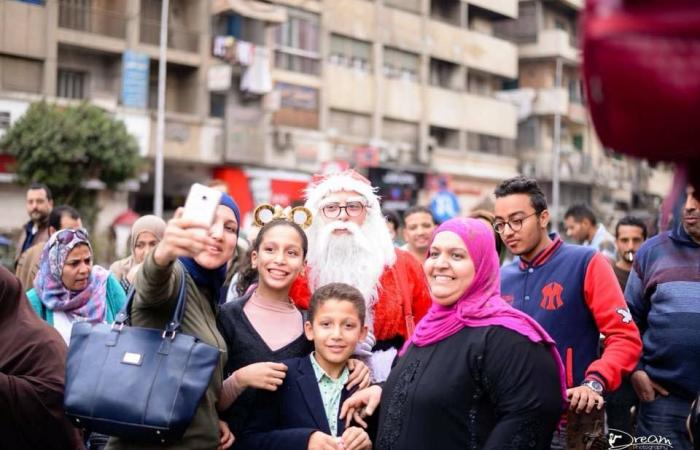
350,243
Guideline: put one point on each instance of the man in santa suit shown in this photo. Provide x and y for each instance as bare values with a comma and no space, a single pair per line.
350,243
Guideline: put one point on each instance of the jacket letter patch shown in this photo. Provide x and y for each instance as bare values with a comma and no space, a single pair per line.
551,296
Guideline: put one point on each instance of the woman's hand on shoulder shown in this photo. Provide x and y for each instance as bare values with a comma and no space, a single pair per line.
264,375
180,239
361,404
359,374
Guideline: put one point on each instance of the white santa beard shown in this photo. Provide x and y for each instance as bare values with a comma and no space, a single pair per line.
349,258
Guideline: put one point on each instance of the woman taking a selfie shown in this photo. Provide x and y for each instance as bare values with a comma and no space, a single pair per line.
201,258
263,326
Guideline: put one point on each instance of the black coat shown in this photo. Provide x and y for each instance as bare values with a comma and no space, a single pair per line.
286,418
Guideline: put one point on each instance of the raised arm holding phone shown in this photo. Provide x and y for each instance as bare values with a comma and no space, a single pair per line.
199,250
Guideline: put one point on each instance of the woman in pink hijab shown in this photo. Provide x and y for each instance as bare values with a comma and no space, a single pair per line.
476,374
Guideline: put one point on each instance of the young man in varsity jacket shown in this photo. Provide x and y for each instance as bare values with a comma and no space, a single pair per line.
570,290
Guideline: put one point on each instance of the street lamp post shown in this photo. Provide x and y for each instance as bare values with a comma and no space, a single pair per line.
160,122
556,153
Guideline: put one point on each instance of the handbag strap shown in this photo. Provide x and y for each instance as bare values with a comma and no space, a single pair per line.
173,325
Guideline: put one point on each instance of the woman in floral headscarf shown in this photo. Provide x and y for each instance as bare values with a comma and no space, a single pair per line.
69,288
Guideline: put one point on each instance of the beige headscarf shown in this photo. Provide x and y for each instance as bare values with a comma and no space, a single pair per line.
152,224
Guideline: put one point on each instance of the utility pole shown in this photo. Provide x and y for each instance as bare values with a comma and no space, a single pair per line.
556,153
160,123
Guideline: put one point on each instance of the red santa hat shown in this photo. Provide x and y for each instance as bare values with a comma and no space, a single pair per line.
348,180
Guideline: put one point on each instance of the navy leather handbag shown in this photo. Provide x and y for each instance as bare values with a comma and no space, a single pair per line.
139,384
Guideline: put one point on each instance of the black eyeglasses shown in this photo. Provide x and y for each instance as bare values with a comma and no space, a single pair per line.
352,209
514,224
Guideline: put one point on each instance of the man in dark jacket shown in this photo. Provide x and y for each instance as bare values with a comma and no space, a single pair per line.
39,205
663,294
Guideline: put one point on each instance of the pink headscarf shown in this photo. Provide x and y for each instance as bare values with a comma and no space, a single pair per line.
481,304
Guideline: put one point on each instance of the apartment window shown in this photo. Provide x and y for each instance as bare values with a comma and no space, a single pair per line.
402,138
575,91
243,28
74,14
20,74
297,43
507,85
527,134
485,143
349,123
350,52
577,141
522,29
217,105
398,131
479,83
445,74
4,120
445,11
400,64
71,84
445,137
407,5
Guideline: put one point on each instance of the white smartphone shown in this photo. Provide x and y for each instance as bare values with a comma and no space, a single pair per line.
201,205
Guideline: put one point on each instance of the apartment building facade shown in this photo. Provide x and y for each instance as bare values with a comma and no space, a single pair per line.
263,94
549,85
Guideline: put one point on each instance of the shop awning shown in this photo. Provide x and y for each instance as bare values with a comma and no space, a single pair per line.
252,9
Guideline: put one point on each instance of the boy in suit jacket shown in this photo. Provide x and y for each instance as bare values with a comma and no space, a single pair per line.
303,413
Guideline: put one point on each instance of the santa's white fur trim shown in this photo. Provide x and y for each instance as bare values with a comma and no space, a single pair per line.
337,183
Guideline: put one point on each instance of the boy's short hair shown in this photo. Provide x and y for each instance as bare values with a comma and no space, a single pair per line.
523,185
337,291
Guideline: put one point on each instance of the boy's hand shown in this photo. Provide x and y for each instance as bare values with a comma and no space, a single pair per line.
359,374
355,438
264,375
322,441
360,405
226,438
583,398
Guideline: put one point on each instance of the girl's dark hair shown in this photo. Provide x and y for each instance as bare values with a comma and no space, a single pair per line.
249,275
337,291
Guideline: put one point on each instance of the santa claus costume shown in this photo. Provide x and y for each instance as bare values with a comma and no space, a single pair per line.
391,280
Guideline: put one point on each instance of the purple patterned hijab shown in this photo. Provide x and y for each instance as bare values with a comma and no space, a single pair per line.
481,304
88,304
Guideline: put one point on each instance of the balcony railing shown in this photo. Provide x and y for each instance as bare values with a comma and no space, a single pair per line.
178,38
79,15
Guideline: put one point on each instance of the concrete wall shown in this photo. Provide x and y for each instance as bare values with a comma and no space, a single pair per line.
505,7
20,24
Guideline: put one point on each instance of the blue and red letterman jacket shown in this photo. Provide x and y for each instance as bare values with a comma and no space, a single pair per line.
572,292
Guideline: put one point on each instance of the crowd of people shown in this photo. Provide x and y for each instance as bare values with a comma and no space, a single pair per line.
354,329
